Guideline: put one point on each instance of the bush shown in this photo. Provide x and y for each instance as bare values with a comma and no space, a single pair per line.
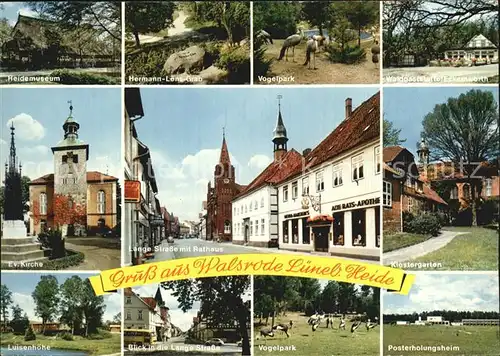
349,55
261,64
67,336
425,224
29,335
72,258
53,240
236,61
100,335
407,219
71,78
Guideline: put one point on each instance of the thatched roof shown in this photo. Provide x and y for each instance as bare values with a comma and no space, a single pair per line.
40,32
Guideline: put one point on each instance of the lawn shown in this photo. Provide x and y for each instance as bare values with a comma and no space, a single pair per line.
475,251
402,239
462,340
92,347
323,341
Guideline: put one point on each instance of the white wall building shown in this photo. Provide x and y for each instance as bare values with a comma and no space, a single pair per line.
255,209
332,203
479,47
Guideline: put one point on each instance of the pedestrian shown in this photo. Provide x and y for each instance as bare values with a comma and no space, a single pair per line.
375,53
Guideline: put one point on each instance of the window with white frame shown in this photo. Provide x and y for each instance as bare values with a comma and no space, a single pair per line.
256,227
129,315
101,202
227,227
305,186
262,226
488,185
250,206
387,194
295,190
256,205
378,165
320,183
357,167
251,227
337,174
410,204
139,315
285,193
262,202
43,204
234,209
128,300
454,192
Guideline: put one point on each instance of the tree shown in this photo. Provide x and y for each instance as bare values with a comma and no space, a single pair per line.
278,18
103,16
221,300
391,134
330,297
30,334
92,308
71,302
362,14
5,301
25,191
68,212
347,297
5,31
46,297
117,318
19,322
317,13
465,131
144,16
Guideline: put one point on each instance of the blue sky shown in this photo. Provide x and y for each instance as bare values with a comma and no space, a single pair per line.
38,116
183,129
12,9
23,284
407,107
466,292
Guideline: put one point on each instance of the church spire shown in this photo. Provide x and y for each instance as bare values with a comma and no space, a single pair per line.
224,153
70,125
279,135
12,167
158,298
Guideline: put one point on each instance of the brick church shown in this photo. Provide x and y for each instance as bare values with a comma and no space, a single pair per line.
72,199
219,197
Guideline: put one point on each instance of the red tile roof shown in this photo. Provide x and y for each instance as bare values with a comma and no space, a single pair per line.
275,172
362,126
128,292
433,195
391,152
150,301
92,177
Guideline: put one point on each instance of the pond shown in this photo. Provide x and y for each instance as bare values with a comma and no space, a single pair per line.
52,352
307,33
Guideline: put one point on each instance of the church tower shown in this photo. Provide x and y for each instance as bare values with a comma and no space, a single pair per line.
13,206
279,135
70,178
224,178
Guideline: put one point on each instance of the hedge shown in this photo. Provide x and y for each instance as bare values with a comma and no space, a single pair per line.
72,259
69,77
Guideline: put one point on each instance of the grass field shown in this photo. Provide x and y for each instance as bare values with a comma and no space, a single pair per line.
402,239
475,251
92,347
462,340
326,73
323,341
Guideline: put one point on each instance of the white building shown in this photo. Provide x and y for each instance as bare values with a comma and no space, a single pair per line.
479,47
331,203
437,320
146,313
255,209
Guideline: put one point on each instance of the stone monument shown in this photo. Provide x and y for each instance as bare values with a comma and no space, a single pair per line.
17,247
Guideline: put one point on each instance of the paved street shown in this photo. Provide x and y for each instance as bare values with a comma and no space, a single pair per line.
185,248
101,253
176,346
438,75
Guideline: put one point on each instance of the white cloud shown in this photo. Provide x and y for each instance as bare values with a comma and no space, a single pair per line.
113,304
3,142
110,165
7,4
26,127
446,292
26,303
259,162
36,169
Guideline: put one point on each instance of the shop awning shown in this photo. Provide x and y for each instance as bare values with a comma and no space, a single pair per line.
320,219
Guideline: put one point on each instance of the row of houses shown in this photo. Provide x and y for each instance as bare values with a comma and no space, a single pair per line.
146,221
439,320
148,313
325,199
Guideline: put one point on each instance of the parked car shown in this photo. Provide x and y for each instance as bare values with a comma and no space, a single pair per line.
214,342
240,343
170,239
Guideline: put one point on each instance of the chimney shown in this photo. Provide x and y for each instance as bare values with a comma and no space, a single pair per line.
306,152
348,108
